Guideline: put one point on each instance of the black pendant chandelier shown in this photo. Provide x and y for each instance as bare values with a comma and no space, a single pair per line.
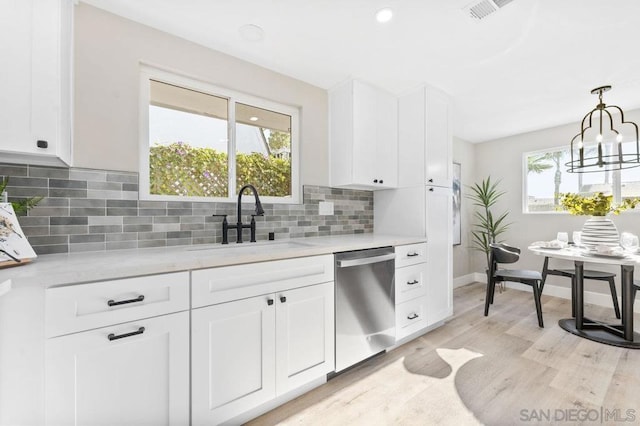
601,146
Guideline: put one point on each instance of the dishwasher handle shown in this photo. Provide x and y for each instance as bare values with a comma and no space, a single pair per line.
365,260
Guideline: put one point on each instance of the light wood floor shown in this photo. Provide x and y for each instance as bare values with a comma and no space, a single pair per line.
523,374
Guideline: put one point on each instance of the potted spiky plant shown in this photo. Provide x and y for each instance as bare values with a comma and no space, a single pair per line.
22,205
488,226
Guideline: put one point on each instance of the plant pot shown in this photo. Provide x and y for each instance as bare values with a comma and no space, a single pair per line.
600,230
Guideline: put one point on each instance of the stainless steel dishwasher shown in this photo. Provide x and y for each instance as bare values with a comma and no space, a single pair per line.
365,304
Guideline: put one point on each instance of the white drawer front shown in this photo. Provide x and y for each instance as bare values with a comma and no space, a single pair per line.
219,285
411,316
85,306
411,282
411,254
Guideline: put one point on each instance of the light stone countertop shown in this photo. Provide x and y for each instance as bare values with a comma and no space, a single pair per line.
75,268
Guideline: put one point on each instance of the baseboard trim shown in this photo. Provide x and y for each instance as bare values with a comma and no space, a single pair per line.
464,280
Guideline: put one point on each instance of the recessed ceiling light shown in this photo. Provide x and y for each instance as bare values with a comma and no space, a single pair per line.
253,118
250,32
384,15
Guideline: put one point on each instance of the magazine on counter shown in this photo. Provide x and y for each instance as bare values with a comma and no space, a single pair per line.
13,242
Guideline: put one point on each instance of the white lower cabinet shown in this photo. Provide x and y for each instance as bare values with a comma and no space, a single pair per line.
128,374
247,352
412,282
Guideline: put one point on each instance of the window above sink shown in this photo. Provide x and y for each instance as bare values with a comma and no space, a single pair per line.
199,142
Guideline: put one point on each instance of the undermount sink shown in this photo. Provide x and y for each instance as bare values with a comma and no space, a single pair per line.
235,246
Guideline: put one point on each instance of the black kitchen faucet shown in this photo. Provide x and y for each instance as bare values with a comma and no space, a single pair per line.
239,226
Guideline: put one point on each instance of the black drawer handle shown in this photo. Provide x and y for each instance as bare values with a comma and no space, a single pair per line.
430,180
430,189
412,282
413,316
381,181
269,302
375,181
283,299
124,302
413,254
122,336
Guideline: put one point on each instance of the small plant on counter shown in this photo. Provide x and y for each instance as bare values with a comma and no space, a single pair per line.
487,227
595,205
20,206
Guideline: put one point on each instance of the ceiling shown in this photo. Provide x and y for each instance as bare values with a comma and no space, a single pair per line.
528,66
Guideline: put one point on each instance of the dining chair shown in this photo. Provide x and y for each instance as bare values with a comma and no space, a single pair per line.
588,274
504,254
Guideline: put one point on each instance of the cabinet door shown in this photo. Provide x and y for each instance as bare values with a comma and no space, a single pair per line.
363,126
232,358
386,161
365,134
304,335
439,254
411,139
142,378
15,75
438,153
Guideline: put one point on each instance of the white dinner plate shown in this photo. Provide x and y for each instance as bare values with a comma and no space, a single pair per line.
547,248
609,256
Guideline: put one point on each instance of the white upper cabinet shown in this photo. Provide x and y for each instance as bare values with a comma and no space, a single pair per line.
35,81
363,123
424,138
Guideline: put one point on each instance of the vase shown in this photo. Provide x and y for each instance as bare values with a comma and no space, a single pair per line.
600,230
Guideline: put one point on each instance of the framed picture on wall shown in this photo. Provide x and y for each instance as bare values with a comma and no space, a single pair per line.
457,200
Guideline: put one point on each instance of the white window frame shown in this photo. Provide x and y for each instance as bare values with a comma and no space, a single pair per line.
148,73
616,183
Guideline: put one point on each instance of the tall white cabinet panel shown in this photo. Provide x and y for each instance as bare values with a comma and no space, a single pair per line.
140,378
424,138
35,84
233,358
363,136
439,254
304,335
422,204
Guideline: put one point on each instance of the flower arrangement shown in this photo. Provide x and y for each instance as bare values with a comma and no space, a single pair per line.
595,205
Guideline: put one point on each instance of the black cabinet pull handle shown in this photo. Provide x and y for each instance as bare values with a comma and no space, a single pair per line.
430,180
413,254
122,336
381,181
124,302
430,189
269,302
412,282
283,299
375,181
413,316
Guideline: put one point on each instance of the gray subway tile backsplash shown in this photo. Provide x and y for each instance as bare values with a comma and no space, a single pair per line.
96,210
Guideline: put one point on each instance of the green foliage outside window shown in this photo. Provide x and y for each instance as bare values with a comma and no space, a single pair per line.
180,169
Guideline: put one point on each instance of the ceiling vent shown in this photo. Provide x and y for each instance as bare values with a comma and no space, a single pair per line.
479,10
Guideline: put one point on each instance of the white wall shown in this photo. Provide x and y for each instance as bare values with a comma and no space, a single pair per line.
463,255
502,159
108,51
